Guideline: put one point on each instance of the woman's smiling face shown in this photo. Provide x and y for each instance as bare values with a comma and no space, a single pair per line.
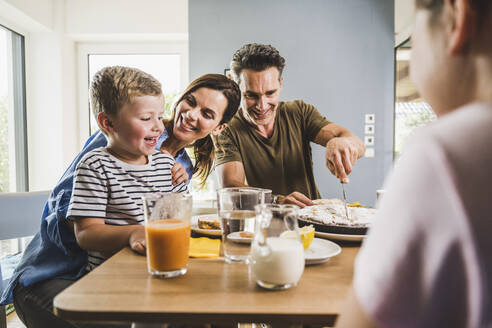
198,114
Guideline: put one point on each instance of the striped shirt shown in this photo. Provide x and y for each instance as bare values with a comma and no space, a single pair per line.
108,188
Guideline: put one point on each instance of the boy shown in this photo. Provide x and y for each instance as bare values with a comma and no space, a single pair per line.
106,205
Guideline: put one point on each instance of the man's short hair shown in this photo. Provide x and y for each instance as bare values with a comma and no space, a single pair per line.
257,57
113,87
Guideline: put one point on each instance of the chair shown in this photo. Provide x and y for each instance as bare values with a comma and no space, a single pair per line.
20,216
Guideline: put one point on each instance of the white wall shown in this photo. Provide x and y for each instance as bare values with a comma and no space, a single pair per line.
39,11
53,31
126,17
404,16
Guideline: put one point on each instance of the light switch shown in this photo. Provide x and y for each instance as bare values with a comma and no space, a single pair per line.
370,118
369,140
369,129
369,152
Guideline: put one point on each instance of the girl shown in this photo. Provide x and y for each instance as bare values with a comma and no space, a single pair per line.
427,261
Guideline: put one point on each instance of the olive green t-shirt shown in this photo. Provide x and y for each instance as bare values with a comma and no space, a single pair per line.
282,162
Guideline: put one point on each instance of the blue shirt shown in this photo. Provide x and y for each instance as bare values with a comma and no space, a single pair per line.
54,252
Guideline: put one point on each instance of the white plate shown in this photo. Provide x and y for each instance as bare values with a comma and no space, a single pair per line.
321,250
206,217
237,238
337,236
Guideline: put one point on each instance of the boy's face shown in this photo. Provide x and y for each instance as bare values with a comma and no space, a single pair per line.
135,129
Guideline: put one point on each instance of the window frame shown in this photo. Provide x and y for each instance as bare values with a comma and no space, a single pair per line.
403,44
406,44
18,80
18,101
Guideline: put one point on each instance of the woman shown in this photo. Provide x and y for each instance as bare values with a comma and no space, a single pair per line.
194,118
427,261
53,260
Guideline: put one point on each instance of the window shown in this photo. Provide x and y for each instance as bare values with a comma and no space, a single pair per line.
13,148
13,140
411,111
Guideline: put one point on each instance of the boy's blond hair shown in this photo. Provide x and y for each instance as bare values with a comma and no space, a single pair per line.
115,86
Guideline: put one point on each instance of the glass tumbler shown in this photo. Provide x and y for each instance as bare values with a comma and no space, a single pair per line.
236,207
167,231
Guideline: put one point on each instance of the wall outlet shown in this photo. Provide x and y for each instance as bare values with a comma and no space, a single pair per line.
369,140
369,129
369,153
370,118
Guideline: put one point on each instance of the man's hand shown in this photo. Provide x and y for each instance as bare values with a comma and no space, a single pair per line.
341,154
295,198
179,174
137,240
343,148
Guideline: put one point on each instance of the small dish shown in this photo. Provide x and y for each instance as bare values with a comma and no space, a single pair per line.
238,237
205,217
320,251
338,236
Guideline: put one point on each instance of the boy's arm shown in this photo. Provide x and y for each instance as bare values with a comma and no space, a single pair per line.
94,235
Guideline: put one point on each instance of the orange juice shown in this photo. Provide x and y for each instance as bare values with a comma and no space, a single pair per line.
168,243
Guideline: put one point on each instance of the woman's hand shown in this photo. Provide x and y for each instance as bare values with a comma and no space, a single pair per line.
137,240
179,174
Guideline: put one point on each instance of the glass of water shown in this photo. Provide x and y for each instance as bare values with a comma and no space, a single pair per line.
236,207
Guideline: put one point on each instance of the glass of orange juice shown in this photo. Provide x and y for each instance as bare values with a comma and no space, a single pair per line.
167,232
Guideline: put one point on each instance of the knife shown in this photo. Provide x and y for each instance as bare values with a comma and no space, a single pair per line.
345,201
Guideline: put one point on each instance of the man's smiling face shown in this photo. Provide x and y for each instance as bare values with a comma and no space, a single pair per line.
260,93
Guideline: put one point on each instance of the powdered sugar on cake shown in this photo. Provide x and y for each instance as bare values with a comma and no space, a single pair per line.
333,213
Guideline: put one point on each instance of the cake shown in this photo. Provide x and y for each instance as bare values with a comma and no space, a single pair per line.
329,216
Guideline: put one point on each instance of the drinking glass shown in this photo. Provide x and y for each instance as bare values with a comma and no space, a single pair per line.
167,231
277,254
267,193
236,211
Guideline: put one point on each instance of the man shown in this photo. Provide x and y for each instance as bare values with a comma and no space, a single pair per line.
267,143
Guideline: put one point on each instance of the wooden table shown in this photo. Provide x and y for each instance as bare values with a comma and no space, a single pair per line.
212,291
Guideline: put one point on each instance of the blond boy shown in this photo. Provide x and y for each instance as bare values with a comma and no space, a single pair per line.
106,205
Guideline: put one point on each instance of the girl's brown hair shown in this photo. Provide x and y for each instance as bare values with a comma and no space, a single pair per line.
435,6
204,148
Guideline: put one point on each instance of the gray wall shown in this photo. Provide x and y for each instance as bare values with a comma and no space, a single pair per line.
339,57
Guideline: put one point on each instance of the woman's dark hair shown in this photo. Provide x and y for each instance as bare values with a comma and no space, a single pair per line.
204,148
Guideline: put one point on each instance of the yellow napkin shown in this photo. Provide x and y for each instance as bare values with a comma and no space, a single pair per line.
204,247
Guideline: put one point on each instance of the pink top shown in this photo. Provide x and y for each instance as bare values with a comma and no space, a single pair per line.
427,261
